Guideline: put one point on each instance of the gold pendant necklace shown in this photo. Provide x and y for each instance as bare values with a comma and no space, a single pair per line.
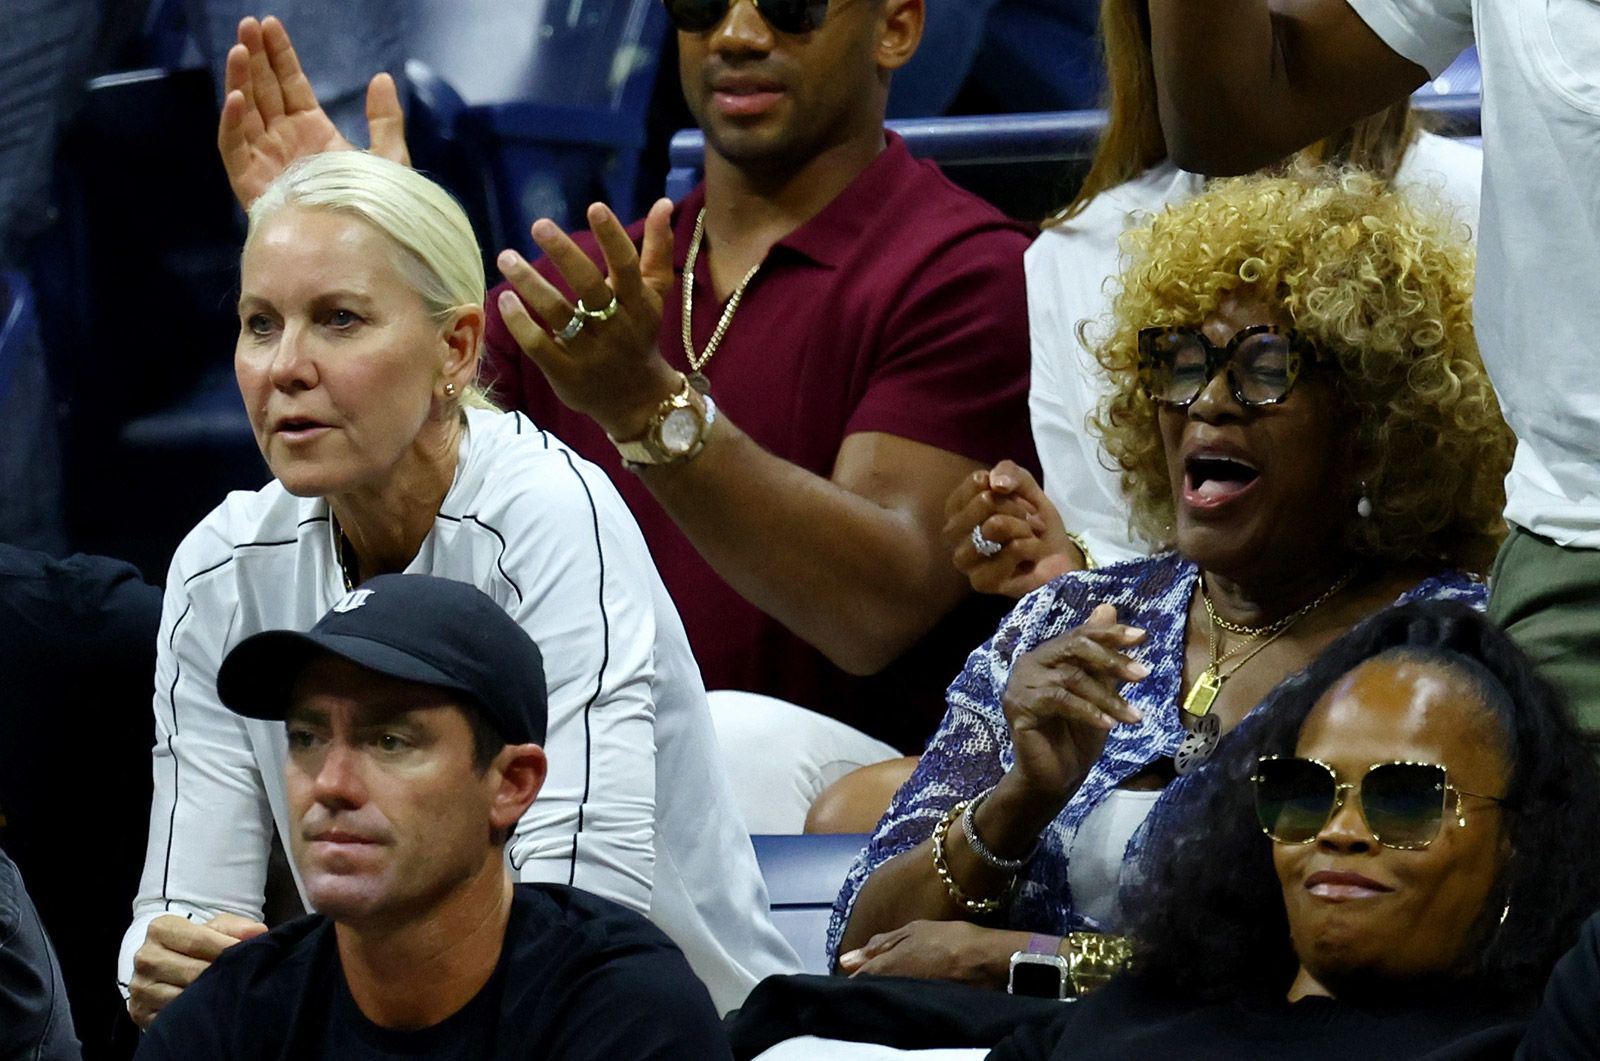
697,378
1203,693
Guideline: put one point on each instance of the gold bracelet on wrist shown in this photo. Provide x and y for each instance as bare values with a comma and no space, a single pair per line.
941,833
1094,958
1083,547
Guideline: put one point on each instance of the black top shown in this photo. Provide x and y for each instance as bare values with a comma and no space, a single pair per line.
1128,1020
1567,1025
579,977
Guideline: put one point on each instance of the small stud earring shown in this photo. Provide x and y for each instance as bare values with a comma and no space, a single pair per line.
450,392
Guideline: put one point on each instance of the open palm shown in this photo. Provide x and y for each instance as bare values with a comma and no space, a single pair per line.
270,114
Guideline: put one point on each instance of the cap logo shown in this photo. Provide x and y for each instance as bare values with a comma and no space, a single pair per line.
352,600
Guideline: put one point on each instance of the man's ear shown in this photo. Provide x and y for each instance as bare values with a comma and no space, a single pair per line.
900,31
518,772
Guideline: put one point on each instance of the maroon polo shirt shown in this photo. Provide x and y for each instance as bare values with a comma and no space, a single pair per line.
899,308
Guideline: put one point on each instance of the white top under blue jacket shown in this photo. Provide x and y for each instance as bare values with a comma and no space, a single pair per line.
972,748
635,807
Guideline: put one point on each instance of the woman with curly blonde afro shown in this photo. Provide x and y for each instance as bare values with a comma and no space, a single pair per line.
1383,289
1303,425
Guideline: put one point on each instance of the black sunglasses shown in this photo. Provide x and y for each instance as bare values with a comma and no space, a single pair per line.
785,16
1403,803
1263,362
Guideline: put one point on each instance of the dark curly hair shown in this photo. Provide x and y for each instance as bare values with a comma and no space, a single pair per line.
1208,918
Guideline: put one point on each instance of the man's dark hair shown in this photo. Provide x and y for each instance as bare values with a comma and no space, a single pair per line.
486,739
1208,920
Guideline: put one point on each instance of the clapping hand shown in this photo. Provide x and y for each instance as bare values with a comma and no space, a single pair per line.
608,367
1008,508
270,115
1062,699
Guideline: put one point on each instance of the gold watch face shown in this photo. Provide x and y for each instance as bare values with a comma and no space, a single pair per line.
679,432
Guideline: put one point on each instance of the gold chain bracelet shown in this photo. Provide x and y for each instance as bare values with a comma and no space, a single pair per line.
1093,959
941,833
1089,563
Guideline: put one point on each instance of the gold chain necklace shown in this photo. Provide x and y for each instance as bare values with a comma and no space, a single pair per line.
697,362
1209,683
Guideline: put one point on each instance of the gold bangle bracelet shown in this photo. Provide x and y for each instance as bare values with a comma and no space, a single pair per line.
941,833
1094,958
1089,563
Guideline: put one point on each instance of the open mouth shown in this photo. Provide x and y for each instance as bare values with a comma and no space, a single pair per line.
296,426
1214,478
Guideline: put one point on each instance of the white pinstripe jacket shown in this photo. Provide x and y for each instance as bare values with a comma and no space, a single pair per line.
635,808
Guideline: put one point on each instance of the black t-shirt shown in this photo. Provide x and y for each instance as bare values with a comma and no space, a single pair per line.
1567,1024
579,977
1129,1021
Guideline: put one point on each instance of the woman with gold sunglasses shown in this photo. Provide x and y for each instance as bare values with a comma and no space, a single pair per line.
1389,860
1392,860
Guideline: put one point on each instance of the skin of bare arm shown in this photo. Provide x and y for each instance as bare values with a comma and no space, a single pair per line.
853,563
1242,84
1060,702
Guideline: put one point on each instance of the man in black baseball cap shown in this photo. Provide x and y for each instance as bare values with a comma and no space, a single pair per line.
414,628
414,711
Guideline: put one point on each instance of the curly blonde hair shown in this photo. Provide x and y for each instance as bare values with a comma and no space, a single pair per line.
1380,281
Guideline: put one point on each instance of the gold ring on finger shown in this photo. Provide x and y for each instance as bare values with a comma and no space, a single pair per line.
597,314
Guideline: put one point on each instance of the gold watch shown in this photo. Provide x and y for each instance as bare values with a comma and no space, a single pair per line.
677,432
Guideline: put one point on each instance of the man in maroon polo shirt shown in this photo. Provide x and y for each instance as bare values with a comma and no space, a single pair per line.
860,326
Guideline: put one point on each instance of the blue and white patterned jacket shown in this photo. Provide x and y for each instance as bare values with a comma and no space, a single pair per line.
972,747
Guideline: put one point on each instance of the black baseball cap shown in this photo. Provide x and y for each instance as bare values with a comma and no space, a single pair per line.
413,627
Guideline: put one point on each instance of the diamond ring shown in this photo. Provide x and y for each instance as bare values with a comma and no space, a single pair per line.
985,546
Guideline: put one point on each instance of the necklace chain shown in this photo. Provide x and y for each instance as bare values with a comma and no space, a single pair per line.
1209,683
698,361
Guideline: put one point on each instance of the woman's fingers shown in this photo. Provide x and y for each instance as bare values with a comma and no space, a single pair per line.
386,120
292,87
1009,477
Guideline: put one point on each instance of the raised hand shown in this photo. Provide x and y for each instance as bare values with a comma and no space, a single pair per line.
1062,700
270,114
1009,508
611,370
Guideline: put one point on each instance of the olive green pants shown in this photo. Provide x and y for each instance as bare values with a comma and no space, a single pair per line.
1547,597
